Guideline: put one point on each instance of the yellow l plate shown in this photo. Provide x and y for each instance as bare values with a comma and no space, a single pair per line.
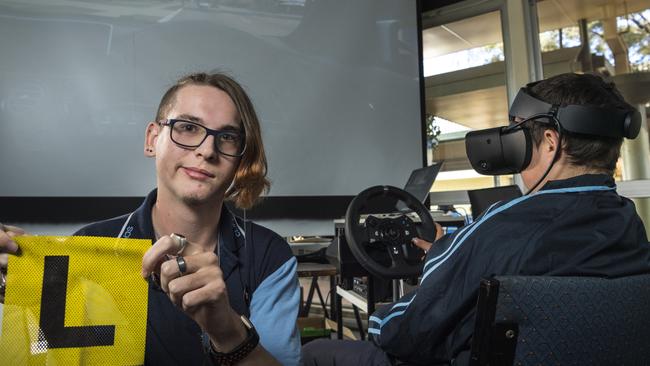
75,301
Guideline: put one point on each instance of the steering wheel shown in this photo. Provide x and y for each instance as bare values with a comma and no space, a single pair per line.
391,234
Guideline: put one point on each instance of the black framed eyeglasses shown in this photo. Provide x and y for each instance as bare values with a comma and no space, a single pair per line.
191,135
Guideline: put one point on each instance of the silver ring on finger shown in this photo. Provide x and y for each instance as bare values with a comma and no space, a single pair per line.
180,241
182,265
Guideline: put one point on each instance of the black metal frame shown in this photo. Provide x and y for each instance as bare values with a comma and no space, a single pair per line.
493,343
304,310
208,132
87,209
346,283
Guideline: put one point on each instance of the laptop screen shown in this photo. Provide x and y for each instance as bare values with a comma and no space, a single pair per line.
420,182
482,199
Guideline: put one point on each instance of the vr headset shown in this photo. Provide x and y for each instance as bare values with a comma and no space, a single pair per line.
507,150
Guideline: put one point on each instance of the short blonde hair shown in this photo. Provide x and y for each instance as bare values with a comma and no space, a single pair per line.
250,179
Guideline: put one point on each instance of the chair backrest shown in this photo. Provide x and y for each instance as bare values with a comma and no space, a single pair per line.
536,320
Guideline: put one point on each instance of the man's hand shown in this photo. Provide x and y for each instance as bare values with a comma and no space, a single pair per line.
425,245
200,291
7,246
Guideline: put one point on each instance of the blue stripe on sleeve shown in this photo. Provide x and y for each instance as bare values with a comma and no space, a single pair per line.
274,310
461,233
374,319
402,304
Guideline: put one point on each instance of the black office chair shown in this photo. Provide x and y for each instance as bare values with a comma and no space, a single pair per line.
525,320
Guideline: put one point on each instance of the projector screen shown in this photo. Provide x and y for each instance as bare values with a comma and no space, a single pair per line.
336,85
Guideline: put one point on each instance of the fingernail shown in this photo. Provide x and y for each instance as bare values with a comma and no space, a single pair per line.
12,246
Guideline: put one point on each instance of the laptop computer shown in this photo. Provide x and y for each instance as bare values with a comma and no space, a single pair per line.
481,199
420,182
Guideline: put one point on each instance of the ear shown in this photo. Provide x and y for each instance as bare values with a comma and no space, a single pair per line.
551,140
150,138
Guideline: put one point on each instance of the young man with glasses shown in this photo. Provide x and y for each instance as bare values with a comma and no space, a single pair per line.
209,271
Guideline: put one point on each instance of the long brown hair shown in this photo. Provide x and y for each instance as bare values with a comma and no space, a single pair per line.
250,179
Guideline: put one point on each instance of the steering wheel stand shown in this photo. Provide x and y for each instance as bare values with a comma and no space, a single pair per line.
391,233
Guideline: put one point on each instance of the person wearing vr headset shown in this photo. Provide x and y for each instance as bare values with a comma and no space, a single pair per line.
564,139
208,270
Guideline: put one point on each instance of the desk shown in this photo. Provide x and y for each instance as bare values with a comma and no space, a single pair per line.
315,270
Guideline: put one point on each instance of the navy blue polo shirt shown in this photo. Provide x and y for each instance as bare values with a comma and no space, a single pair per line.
572,227
261,279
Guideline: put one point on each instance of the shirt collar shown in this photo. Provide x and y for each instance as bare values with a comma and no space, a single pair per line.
581,181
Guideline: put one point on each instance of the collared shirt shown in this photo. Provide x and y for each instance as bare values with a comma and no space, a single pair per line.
577,226
260,274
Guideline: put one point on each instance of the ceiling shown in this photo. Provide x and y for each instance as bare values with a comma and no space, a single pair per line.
486,29
478,109
461,35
